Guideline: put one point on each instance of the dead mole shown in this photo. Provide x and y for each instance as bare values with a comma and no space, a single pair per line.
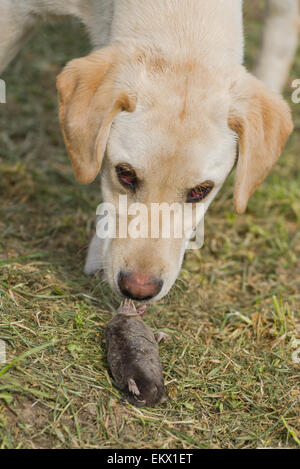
133,356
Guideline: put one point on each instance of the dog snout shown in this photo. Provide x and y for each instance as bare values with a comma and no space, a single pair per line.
139,286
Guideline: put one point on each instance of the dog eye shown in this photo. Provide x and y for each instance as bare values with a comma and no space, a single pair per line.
200,192
127,176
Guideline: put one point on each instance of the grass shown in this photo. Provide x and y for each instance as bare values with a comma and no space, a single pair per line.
233,314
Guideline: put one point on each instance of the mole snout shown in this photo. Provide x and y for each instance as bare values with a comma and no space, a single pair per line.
139,286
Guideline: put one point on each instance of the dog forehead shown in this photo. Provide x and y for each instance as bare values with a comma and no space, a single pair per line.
176,106
201,146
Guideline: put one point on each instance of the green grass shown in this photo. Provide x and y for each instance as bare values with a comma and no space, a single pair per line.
233,314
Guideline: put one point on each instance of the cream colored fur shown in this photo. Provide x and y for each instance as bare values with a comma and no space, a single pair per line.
280,42
167,95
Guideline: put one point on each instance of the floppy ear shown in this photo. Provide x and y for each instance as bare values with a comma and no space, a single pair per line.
89,99
262,120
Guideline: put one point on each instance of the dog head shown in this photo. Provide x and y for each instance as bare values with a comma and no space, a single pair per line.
165,132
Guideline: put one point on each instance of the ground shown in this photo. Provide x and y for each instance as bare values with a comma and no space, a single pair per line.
233,314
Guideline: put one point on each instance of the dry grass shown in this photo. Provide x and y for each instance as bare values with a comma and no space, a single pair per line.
233,313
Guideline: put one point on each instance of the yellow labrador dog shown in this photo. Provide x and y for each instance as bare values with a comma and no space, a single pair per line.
161,106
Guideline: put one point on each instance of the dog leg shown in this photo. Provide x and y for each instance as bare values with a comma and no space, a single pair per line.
280,42
16,24
97,19
18,19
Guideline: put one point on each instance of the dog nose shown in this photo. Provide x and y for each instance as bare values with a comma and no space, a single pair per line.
139,286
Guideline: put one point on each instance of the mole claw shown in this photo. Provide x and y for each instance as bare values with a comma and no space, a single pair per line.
142,310
133,387
159,336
